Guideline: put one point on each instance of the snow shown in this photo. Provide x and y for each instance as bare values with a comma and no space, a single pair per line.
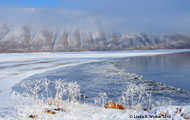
102,54
76,111
15,67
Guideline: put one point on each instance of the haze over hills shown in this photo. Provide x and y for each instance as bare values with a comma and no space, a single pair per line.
60,30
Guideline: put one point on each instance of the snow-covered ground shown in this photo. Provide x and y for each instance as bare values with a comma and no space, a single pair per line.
15,67
75,111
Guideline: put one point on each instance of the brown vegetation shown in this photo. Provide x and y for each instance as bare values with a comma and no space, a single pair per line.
114,105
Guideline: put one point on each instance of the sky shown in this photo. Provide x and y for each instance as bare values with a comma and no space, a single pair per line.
152,16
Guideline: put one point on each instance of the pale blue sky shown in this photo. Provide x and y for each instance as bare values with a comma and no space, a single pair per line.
157,16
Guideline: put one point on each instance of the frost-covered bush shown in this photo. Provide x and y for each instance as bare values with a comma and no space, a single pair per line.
100,100
135,96
73,92
37,98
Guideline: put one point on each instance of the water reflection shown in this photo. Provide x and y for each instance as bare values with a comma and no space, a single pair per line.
171,69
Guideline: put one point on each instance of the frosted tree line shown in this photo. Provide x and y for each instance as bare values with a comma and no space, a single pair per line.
25,39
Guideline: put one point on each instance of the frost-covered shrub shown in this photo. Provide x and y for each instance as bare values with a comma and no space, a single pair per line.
61,89
73,91
100,100
135,96
37,97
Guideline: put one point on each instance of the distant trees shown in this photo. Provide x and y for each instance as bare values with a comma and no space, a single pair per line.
48,39
24,39
65,40
10,39
88,42
27,36
101,41
61,42
146,40
42,41
4,29
114,43
77,39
